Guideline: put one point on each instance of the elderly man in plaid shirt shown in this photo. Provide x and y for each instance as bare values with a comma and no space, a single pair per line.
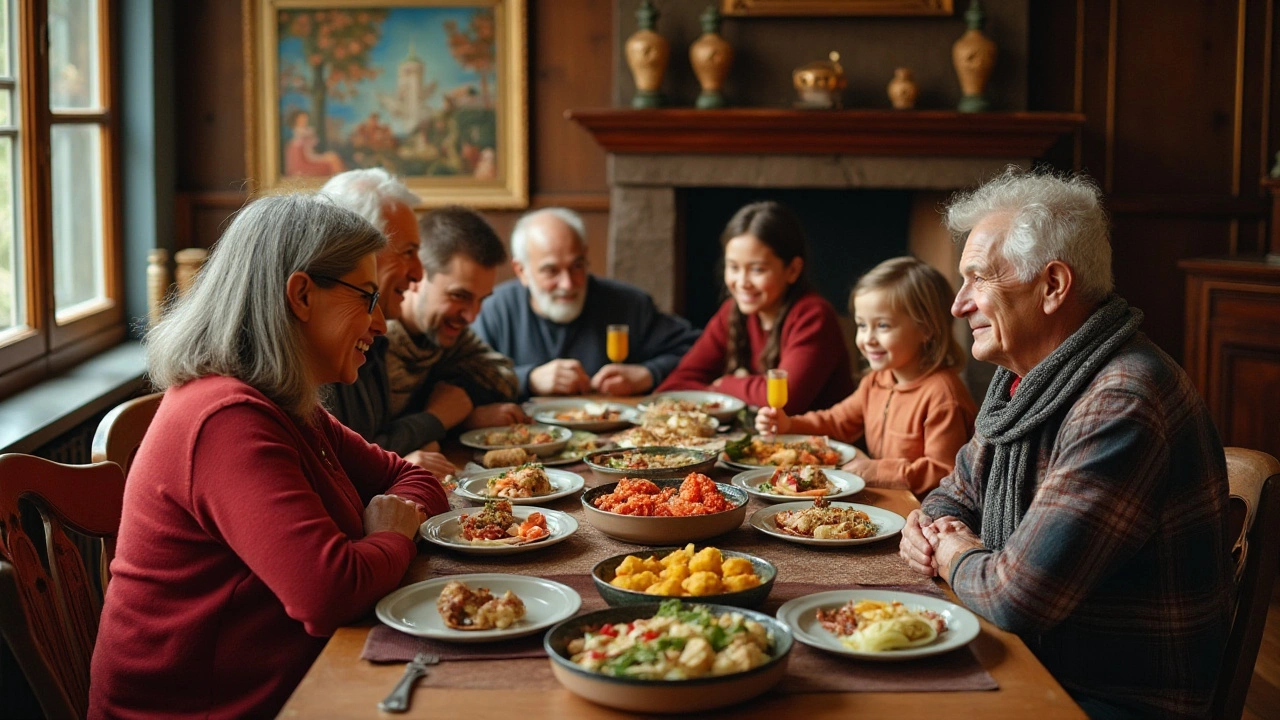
1088,514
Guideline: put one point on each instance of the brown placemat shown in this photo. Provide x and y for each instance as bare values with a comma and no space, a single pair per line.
521,664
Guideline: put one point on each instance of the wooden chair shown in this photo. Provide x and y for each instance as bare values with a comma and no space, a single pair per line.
120,432
49,610
1255,526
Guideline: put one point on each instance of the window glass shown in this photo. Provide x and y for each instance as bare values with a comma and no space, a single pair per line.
78,263
12,310
73,54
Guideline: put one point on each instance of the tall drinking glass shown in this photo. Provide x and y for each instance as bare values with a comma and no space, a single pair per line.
777,380
617,342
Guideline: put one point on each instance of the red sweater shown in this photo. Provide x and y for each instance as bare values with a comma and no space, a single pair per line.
813,354
240,551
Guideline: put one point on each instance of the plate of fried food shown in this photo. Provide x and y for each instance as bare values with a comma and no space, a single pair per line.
753,453
540,440
722,577
881,625
792,483
682,429
581,443
498,528
480,607
827,523
528,484
580,414
718,405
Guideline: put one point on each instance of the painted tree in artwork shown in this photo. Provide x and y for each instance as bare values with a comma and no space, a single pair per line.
335,51
473,48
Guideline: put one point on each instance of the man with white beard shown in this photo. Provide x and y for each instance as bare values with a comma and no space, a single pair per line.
552,319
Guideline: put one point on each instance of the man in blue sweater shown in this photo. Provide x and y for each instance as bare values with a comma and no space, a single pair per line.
551,320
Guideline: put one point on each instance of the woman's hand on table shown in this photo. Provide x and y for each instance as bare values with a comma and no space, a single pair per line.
914,547
433,462
388,513
622,380
496,415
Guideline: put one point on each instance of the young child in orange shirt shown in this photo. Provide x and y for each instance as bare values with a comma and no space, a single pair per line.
912,407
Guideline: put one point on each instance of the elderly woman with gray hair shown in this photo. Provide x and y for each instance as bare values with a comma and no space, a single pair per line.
254,523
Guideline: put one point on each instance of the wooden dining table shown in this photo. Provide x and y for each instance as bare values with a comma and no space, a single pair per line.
342,685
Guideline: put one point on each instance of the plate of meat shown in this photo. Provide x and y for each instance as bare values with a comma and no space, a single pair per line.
480,607
529,484
826,523
498,528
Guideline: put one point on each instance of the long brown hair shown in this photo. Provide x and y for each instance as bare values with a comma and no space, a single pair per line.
775,225
920,291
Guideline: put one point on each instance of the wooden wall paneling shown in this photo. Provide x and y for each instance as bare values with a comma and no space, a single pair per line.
209,95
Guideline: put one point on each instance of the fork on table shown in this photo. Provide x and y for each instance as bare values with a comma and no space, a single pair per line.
398,700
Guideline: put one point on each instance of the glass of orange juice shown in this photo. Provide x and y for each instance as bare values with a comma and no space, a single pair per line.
777,380
617,342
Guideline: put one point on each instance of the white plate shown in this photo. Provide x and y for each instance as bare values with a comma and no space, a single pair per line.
729,405
889,523
563,483
412,609
846,451
800,615
545,412
845,483
445,530
560,437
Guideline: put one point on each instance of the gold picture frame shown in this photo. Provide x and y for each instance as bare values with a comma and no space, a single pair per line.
434,91
796,8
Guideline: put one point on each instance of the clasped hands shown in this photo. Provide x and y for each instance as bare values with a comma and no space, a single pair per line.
566,376
930,546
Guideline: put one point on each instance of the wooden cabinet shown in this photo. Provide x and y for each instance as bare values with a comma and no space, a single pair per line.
1233,346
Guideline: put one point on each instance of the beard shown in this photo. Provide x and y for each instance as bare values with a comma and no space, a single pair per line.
558,307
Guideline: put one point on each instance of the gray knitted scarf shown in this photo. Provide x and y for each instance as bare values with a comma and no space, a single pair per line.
1011,423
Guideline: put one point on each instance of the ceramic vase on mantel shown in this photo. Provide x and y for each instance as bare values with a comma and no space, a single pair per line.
647,55
711,57
974,55
902,90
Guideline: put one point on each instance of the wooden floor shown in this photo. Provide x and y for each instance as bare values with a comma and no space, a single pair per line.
1263,702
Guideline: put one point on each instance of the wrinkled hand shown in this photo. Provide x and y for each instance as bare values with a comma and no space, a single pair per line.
621,380
915,548
950,539
559,377
449,403
433,462
772,421
393,514
495,414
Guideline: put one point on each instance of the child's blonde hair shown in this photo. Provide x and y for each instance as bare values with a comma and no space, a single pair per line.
920,291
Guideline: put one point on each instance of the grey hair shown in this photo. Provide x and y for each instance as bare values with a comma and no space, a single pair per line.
520,234
236,320
1054,217
367,192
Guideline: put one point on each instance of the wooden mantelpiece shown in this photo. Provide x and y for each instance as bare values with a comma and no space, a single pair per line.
926,133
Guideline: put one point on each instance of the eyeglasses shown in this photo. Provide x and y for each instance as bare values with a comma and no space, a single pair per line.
373,296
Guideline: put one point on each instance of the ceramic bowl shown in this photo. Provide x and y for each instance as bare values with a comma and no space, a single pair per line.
603,574
644,530
703,463
663,696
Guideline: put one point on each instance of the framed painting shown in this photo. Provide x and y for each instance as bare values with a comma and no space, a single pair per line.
434,91
835,7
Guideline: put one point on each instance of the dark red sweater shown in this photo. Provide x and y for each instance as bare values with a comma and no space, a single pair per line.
813,353
241,549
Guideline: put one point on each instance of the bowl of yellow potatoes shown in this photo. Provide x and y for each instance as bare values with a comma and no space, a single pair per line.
722,577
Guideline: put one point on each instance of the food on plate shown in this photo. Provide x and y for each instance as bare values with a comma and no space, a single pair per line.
507,457
636,460
495,524
682,424
813,450
698,495
520,482
649,435
668,406
826,522
798,480
684,573
678,643
465,609
517,435
589,412
876,626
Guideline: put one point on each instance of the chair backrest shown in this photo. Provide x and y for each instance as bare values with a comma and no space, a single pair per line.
1255,525
49,613
120,432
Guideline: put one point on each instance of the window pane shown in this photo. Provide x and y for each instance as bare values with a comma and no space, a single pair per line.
6,106
12,310
77,215
5,44
73,54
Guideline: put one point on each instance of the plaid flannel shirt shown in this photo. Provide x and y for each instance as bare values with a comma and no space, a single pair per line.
1119,575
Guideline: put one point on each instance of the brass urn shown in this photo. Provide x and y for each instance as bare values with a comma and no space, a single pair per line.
820,84
711,57
647,55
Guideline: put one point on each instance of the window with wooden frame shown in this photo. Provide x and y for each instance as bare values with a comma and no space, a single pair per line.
61,295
